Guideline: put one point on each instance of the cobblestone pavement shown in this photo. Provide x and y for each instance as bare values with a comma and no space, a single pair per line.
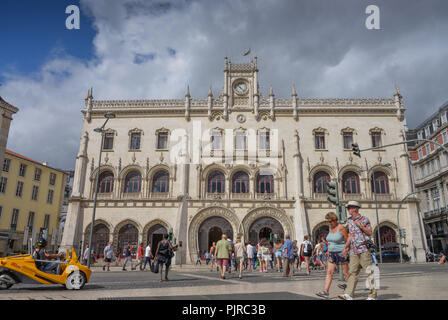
407,281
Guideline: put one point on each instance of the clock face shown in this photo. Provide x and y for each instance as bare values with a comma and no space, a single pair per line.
240,87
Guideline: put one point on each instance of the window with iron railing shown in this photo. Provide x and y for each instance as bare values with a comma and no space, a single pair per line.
6,165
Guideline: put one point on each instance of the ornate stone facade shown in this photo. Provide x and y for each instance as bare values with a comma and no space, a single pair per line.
241,157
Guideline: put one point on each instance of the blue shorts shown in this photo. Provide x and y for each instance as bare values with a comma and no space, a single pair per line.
337,258
278,254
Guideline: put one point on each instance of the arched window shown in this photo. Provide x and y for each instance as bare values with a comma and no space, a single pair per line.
240,182
319,182
106,183
350,183
133,182
160,182
380,183
127,235
265,184
100,239
216,182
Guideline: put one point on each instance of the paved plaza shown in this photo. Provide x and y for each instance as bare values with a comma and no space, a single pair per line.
408,281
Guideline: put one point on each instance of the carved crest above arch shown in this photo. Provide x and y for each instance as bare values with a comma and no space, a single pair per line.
110,130
136,130
377,130
348,130
264,115
216,115
154,223
271,212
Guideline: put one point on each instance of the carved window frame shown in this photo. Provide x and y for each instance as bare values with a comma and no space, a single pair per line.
259,132
130,133
235,133
162,130
375,131
109,131
343,133
212,132
320,131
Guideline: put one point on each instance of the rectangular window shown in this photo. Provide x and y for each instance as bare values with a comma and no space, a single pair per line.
376,139
444,137
162,141
216,141
1,211
22,170
30,222
264,141
423,134
420,153
19,189
431,129
108,142
46,221
14,219
423,171
135,141
35,192
3,182
240,140
52,179
348,140
50,196
37,174
428,150
320,141
6,165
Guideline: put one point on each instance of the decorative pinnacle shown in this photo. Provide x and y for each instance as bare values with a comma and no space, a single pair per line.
294,93
188,91
90,93
271,92
210,93
397,90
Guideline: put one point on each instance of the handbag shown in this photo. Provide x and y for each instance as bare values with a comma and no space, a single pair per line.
154,266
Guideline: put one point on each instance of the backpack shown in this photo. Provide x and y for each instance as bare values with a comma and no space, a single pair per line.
309,247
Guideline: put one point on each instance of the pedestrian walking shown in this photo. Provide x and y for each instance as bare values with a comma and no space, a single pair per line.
337,238
108,254
296,260
128,256
198,258
140,256
232,260
266,254
223,254
317,252
360,230
85,255
250,256
207,257
213,257
240,251
306,249
288,257
278,248
164,253
148,256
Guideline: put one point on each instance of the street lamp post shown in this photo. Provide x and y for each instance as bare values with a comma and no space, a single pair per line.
108,115
398,224
376,207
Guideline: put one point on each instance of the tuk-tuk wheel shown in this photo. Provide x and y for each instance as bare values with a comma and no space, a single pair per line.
4,285
75,281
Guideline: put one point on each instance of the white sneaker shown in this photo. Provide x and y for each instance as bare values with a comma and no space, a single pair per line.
345,297
370,298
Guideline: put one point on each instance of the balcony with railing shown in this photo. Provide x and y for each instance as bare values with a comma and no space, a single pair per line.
159,195
383,197
436,212
215,196
352,196
105,196
131,195
266,196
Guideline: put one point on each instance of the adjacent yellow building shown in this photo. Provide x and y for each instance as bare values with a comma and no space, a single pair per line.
31,196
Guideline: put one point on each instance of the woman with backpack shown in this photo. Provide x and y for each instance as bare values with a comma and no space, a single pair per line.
337,238
306,250
164,253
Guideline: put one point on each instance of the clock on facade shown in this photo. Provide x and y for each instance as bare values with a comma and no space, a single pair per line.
240,87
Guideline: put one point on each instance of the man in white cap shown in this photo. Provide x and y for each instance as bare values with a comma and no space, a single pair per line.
359,230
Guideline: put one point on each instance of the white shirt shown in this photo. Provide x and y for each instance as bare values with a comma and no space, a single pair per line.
305,245
148,251
86,253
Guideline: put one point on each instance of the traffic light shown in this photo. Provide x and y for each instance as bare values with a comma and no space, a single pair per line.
332,191
180,243
270,237
342,214
356,150
170,234
402,233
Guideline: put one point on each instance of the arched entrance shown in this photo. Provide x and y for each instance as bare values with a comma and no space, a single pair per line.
211,231
100,239
388,238
263,227
127,234
155,235
321,232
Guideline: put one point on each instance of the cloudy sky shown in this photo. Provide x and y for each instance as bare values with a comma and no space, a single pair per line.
143,49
